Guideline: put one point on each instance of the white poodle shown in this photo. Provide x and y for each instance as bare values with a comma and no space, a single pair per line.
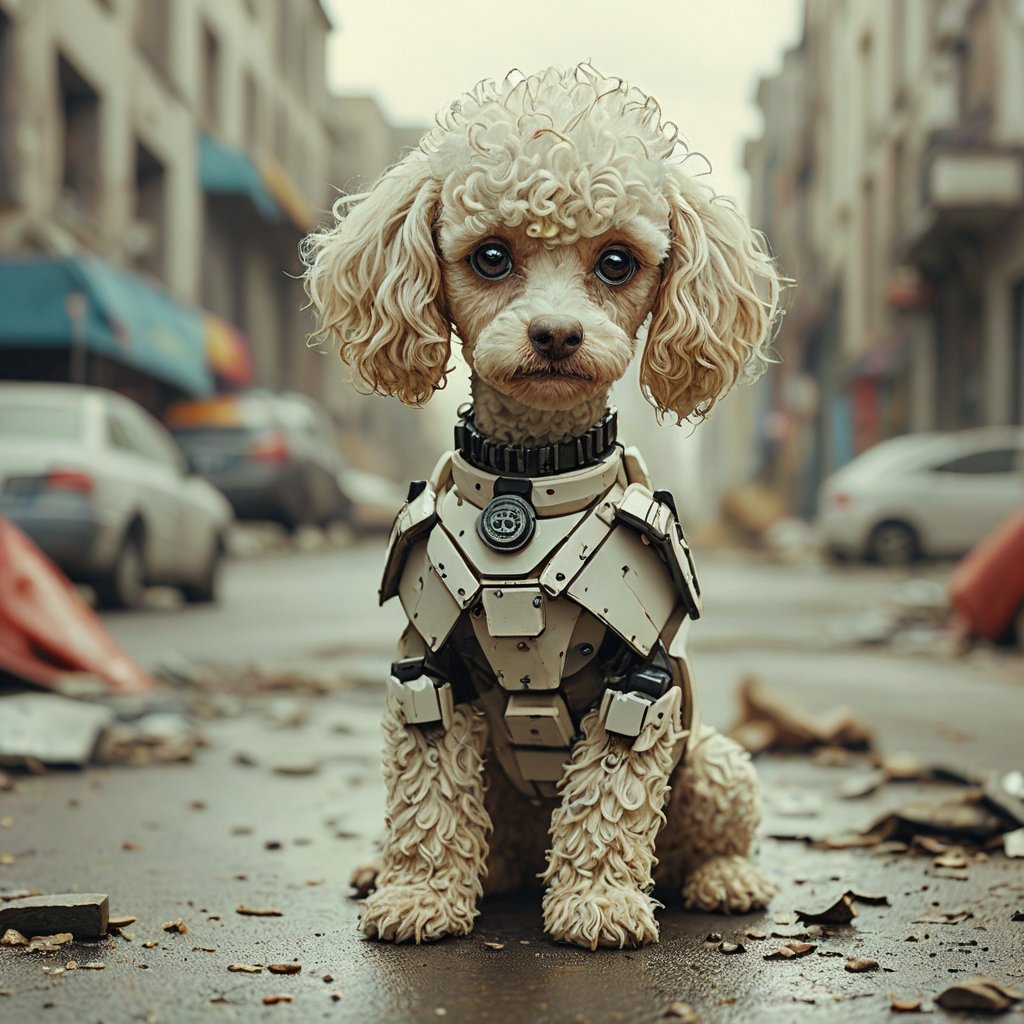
546,221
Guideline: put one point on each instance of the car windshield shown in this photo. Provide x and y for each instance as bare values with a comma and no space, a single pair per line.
52,420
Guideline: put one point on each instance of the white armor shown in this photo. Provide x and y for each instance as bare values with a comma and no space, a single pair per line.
538,599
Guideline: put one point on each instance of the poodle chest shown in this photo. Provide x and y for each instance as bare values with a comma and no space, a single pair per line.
537,599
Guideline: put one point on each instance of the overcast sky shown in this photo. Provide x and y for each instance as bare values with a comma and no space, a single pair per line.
700,58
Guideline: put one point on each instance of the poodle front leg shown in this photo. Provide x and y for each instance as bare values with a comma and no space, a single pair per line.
435,849
602,835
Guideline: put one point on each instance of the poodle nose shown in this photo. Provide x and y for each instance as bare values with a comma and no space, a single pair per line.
555,337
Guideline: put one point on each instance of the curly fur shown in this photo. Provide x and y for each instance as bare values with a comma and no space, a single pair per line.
549,162
603,833
435,853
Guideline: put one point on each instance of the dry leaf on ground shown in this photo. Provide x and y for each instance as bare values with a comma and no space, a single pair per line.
258,911
792,951
979,993
861,965
842,911
898,1005
682,1011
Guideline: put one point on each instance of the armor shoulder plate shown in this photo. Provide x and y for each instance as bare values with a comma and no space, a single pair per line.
654,517
415,520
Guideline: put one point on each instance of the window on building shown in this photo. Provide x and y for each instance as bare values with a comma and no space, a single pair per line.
8,168
153,32
250,113
980,67
80,108
209,83
150,212
872,267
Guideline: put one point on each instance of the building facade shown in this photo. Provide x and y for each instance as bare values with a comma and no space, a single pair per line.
890,181
178,149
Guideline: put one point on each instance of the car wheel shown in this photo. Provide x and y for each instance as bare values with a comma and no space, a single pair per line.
893,543
205,591
124,585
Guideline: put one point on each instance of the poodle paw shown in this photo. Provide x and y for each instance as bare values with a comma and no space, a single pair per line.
728,885
364,879
605,917
415,913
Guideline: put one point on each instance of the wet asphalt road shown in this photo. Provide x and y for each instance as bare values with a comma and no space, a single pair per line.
197,840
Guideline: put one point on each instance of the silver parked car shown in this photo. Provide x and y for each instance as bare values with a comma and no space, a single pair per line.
923,495
103,489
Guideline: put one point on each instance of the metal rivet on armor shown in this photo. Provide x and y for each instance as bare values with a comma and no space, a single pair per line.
498,593
536,601
586,650
559,576
522,646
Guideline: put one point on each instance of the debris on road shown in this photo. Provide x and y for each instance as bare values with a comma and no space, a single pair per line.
683,1012
48,943
792,951
731,947
50,729
840,911
944,917
259,911
273,1000
84,915
177,925
898,1005
861,965
768,721
155,738
284,968
979,993
245,968
12,937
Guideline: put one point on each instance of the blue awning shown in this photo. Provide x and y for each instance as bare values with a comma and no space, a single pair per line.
225,170
52,303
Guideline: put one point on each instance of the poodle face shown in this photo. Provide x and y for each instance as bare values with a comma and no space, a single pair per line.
548,324
545,220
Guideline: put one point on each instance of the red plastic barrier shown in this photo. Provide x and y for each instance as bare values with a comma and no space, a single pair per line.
987,588
47,630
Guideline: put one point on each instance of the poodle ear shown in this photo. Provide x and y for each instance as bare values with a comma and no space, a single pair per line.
714,313
374,280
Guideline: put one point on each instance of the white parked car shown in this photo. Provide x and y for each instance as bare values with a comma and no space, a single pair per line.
923,495
103,489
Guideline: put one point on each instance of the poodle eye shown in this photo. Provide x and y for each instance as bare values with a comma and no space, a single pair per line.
616,266
492,261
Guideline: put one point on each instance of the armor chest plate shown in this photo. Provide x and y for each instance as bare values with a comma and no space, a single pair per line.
595,576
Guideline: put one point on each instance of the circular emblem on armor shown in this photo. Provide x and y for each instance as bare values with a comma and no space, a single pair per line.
507,523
